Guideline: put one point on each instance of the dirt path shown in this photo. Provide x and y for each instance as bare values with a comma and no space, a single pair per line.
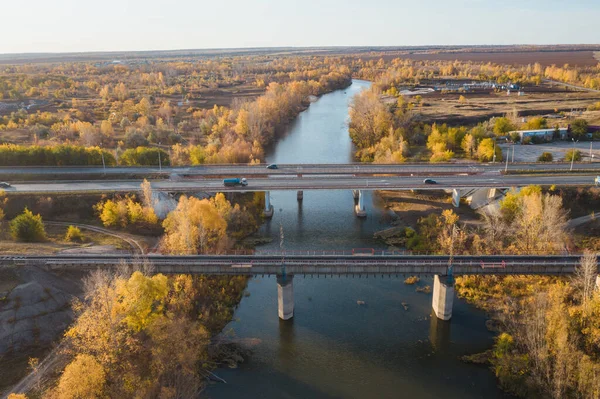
583,219
571,86
135,245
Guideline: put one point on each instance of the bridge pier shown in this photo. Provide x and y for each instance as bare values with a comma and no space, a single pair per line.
443,297
268,211
300,195
285,296
456,197
359,208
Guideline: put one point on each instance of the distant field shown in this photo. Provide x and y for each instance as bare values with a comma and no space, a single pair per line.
545,58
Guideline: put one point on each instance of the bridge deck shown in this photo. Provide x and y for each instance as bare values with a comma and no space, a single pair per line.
314,264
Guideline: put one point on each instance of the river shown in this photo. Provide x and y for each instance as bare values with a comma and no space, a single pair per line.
333,347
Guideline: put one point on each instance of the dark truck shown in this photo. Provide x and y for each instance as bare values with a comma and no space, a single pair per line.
235,181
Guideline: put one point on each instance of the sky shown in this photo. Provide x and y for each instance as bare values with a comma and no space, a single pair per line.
125,25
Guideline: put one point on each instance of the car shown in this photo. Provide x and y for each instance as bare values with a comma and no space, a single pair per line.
4,185
429,181
597,181
272,166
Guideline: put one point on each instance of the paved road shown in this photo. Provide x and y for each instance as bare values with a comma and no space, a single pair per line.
290,169
318,182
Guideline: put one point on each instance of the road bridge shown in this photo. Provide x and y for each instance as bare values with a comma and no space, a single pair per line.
286,265
458,184
17,172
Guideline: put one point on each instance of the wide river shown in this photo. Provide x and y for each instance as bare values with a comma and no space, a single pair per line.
334,347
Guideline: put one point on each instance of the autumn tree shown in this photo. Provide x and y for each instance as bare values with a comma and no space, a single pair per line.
83,378
195,226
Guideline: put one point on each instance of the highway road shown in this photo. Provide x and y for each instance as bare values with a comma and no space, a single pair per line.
289,169
316,182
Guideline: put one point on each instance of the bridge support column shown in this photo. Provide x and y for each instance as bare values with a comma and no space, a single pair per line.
443,297
456,197
300,195
285,296
268,211
359,208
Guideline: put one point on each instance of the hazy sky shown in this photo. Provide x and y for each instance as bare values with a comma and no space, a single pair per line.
104,25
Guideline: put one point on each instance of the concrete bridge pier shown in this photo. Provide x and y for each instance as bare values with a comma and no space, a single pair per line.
285,296
456,197
443,297
300,195
268,211
359,208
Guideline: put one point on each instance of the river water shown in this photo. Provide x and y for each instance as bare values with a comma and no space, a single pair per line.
333,347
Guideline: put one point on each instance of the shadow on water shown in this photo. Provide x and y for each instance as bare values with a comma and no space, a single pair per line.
350,337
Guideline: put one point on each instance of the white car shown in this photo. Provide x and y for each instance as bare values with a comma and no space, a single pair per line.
597,181
4,185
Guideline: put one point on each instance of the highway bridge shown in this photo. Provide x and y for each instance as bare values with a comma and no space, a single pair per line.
286,265
16,172
458,184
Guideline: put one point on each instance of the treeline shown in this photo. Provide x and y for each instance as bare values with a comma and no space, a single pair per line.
57,155
388,75
385,132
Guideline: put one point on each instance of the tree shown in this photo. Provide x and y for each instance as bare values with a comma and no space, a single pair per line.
579,129
486,150
469,145
106,128
537,123
28,227
195,226
502,126
83,378
585,277
462,99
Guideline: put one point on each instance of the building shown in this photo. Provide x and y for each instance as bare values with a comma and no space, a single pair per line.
543,134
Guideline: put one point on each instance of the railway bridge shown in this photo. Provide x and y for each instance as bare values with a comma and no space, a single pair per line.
286,265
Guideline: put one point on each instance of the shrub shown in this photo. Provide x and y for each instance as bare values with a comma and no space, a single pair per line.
28,227
74,234
144,156
546,157
573,155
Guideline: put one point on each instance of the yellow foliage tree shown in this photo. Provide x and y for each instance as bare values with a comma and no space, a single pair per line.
83,378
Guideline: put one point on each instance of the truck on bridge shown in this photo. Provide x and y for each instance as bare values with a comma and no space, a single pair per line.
235,181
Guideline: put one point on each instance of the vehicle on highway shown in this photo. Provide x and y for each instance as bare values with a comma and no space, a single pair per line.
429,181
597,181
5,185
235,181
272,166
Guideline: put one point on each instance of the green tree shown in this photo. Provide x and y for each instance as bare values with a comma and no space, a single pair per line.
28,227
502,126
579,128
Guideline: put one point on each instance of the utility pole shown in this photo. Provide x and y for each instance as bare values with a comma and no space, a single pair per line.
159,161
591,155
573,153
102,154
